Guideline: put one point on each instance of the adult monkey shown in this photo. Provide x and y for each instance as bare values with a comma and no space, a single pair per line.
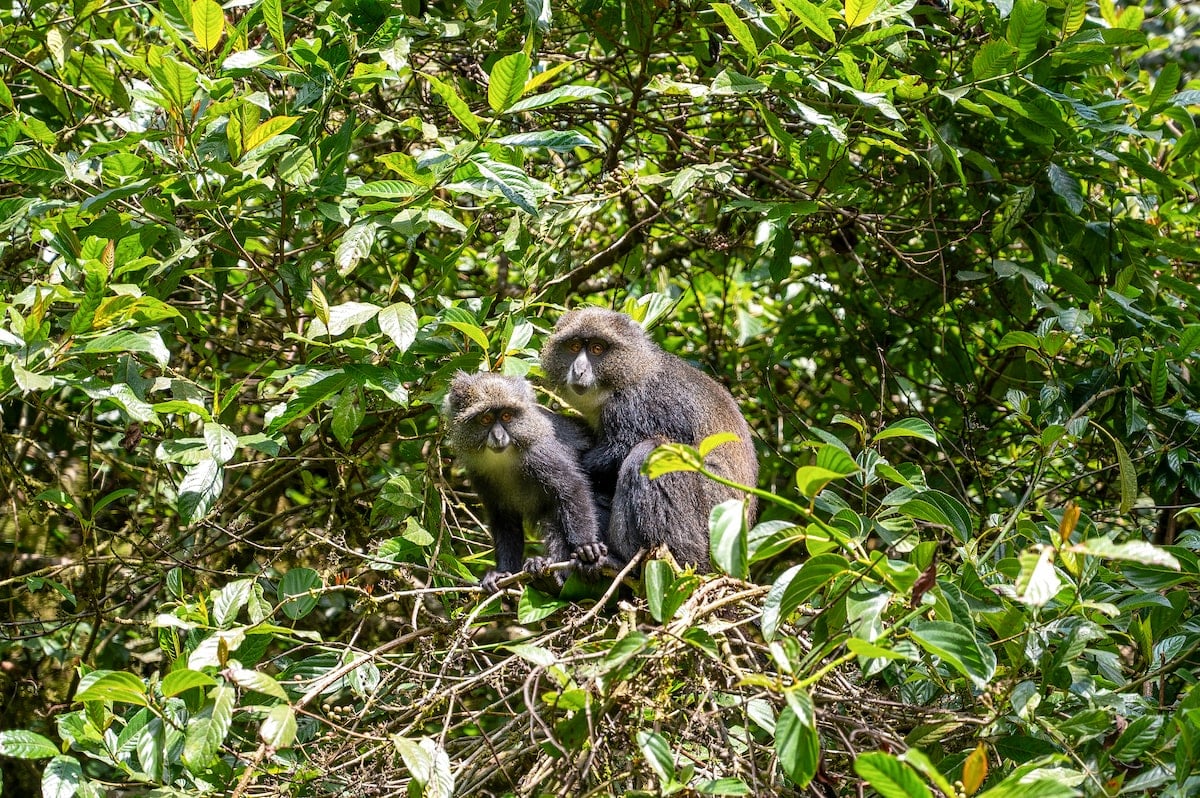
635,397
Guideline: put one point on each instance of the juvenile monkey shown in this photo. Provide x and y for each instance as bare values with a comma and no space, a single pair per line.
635,397
523,461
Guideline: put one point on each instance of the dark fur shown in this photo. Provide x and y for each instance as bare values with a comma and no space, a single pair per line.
535,477
635,396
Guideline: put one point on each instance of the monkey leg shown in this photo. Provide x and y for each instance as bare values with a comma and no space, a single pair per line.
671,510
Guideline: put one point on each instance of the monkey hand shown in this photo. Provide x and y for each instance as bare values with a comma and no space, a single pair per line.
490,581
538,566
591,557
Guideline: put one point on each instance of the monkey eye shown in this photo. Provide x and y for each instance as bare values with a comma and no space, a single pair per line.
597,348
487,419
575,346
506,416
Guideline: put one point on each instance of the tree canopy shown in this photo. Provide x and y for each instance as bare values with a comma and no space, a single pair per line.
945,256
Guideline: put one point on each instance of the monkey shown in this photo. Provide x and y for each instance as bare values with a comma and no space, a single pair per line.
636,396
523,461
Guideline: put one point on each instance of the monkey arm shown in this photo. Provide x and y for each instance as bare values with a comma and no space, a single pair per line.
571,526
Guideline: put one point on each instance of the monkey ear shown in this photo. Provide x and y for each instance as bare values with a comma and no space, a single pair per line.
458,393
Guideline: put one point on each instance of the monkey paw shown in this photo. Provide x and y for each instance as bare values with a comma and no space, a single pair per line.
490,581
538,566
592,557
591,553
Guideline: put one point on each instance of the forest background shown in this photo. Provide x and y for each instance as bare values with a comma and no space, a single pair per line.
945,257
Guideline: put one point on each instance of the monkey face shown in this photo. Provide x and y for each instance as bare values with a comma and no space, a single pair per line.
594,352
490,413
581,375
496,423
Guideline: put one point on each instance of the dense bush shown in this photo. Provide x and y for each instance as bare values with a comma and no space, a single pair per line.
944,256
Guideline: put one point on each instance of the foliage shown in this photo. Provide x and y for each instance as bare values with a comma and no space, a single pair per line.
944,256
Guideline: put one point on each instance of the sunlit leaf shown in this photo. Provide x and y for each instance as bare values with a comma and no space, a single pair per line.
208,23
507,82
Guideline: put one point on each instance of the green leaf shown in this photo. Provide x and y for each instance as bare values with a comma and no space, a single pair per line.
1074,16
811,480
279,727
511,181
508,80
356,244
177,681
890,777
727,538
656,579
811,17
256,681
1010,213
62,777
536,654
23,164
908,428
625,649
1037,581
388,189
556,140
176,81
1026,24
348,414
208,23
147,343
31,381
1140,551
797,746
229,600
268,130
22,744
455,103
117,686
941,509
221,442
342,317
199,490
1158,377
1017,786
1019,338
657,752
1067,187
272,11
1127,475
534,605
857,12
672,457
307,398
725,786
295,591
1137,738
472,332
298,166
714,441
993,59
737,28
563,94
205,734
957,646
795,586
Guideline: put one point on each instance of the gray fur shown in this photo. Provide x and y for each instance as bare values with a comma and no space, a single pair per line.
636,396
525,469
